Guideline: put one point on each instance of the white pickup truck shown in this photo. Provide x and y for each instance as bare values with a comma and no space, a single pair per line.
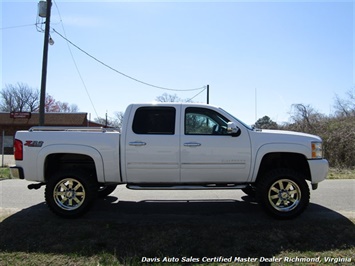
171,146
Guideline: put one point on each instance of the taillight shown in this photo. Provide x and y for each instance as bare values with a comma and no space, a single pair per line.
18,150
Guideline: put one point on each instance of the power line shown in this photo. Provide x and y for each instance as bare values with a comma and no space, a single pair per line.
75,64
18,26
121,73
197,94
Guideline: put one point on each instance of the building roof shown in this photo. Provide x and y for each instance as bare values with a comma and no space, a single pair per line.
51,119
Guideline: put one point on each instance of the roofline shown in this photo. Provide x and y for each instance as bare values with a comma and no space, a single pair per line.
173,103
34,113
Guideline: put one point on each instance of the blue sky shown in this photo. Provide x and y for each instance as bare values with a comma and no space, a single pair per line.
264,54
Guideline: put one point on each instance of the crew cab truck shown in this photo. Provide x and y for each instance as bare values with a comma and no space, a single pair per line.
171,146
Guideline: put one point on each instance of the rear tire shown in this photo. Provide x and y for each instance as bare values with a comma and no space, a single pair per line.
70,194
283,193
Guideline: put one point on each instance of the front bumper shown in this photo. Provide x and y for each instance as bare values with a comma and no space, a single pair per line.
17,172
319,170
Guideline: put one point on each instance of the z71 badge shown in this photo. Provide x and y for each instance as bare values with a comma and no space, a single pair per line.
31,143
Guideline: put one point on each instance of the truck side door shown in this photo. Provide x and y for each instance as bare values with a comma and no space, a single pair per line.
208,152
152,145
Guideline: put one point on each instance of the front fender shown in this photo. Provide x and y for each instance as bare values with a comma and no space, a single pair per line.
73,149
276,148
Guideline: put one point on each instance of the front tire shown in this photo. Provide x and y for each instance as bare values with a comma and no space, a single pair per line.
283,193
70,194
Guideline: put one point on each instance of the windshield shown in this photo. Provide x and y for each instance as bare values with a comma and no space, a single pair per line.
248,127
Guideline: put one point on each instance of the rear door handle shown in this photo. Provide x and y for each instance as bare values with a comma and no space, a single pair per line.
137,143
192,144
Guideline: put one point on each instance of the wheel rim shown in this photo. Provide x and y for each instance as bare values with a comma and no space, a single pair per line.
284,195
69,194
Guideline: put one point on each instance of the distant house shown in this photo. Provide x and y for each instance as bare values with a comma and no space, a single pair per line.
10,123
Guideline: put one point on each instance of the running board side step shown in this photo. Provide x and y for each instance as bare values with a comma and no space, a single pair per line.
185,187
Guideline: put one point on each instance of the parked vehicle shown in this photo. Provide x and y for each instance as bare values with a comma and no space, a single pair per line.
171,146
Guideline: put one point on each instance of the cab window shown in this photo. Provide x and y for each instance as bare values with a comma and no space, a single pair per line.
154,120
202,121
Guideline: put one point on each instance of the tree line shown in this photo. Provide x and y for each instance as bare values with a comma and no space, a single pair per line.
337,130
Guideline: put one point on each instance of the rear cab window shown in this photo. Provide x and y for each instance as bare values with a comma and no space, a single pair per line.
154,121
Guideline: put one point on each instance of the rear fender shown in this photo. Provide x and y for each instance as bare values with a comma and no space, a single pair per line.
73,149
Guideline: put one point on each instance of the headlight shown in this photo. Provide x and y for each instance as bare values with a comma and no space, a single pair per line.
317,150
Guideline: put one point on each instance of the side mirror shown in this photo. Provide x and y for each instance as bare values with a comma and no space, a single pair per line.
233,130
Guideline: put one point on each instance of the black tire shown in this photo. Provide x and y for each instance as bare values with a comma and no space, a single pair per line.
70,194
283,193
105,190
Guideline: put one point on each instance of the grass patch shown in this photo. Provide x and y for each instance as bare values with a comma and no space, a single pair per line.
5,172
23,258
341,173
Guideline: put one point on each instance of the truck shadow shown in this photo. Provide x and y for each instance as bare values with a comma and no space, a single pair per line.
132,230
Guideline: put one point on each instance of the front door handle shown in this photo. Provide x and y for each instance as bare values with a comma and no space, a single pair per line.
137,143
192,144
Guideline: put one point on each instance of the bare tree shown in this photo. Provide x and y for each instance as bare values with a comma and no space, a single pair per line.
53,106
19,98
115,122
22,98
305,118
165,97
50,105
345,107
65,107
118,120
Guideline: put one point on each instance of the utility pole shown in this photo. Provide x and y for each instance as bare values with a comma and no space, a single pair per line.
44,64
2,148
106,121
256,105
208,94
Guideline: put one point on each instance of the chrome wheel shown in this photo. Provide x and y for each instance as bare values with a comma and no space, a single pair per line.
69,194
284,195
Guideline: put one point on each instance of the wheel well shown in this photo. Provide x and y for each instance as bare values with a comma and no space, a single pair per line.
295,161
66,161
